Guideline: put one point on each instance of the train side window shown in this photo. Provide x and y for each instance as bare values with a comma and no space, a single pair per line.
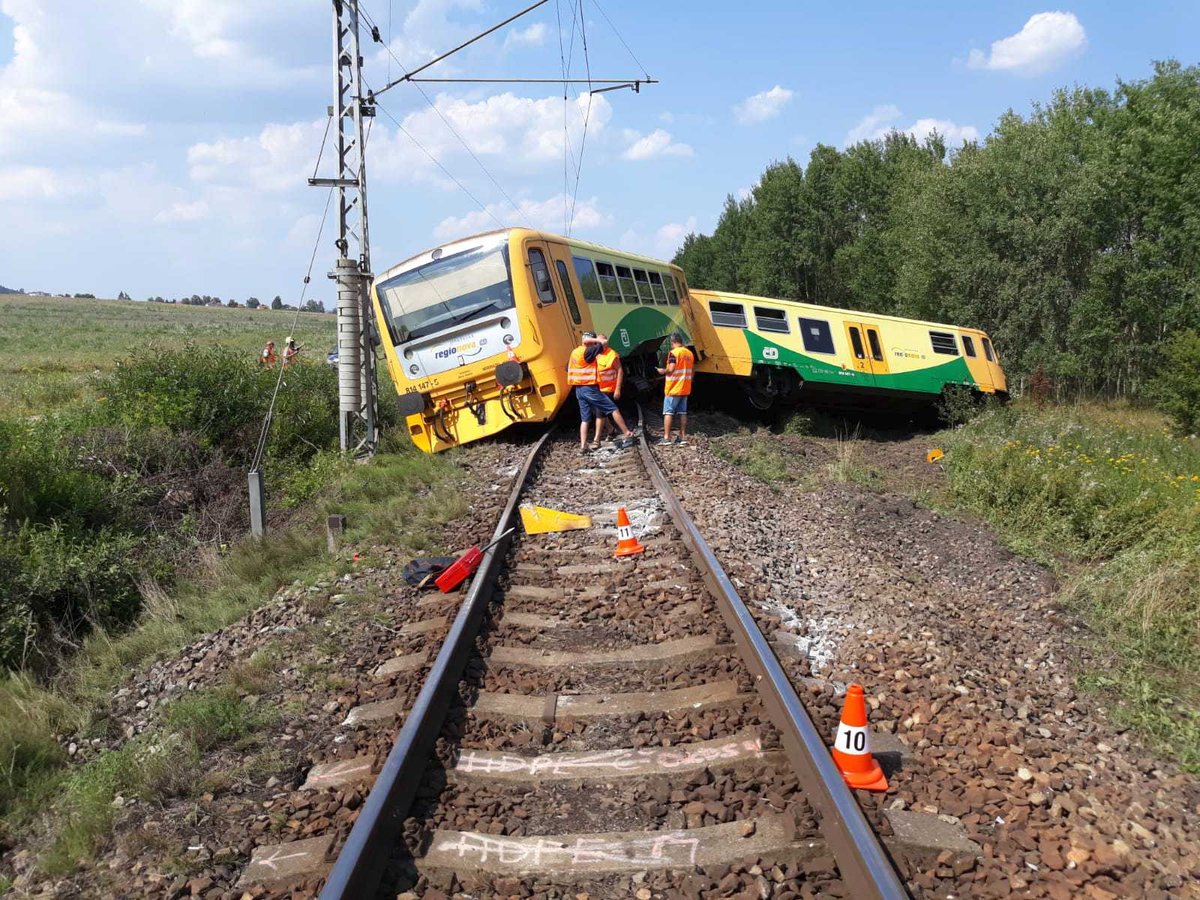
587,279
876,347
608,282
642,280
857,344
987,350
565,277
816,335
656,288
672,294
771,320
943,342
628,285
727,315
968,345
541,277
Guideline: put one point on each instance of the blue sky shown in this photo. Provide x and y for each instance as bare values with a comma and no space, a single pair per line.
162,146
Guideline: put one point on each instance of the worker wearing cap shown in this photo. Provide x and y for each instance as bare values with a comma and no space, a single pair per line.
678,387
583,374
611,378
291,351
267,357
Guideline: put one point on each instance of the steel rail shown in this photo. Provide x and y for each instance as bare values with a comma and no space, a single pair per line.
372,841
862,860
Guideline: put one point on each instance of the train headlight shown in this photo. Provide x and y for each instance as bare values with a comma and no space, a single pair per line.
505,322
414,369
508,339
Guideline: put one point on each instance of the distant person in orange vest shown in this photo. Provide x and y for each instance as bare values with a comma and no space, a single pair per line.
267,357
583,374
611,377
291,351
678,387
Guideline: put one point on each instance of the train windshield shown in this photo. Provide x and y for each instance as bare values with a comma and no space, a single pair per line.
447,291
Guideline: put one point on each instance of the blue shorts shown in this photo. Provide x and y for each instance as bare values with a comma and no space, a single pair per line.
593,402
674,406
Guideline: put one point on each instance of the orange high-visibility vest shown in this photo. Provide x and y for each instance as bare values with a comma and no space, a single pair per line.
580,372
607,370
679,379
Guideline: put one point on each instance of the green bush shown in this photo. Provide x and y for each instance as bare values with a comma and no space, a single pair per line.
221,396
60,581
42,480
1176,388
1110,491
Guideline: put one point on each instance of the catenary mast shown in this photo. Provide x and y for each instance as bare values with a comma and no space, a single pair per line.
352,269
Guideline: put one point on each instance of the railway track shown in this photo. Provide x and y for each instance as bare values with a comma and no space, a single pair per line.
606,727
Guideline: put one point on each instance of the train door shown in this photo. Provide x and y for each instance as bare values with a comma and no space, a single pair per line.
856,340
549,292
577,315
875,352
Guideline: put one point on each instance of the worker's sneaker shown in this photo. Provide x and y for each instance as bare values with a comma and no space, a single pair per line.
584,451
681,441
663,442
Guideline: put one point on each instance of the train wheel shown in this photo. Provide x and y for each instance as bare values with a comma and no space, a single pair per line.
769,386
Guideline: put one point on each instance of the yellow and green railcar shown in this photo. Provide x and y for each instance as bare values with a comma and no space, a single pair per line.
477,332
779,347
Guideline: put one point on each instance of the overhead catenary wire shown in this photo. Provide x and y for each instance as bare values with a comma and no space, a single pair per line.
586,116
265,432
632,55
435,161
445,121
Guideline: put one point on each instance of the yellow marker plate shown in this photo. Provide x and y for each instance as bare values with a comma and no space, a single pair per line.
542,520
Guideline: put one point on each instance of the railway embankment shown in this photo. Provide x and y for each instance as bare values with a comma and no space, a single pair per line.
227,684
980,659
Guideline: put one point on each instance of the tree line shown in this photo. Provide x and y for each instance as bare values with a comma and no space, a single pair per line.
1071,235
317,306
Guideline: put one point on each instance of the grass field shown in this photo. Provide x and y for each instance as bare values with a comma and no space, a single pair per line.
51,346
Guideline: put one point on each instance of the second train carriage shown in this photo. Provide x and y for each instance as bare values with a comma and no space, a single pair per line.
780,347
477,332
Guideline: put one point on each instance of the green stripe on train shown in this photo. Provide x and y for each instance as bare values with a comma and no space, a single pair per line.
929,380
627,330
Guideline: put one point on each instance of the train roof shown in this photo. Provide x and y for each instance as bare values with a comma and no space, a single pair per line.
544,235
837,310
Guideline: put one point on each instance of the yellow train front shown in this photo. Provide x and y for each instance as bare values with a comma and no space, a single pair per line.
477,332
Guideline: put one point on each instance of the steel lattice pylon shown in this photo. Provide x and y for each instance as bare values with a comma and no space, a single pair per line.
356,350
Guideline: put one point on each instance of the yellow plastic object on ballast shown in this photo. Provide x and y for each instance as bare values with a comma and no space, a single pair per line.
542,520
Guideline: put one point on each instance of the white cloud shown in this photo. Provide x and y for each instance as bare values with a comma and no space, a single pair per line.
1047,40
874,124
546,214
882,120
661,243
184,212
278,159
510,134
762,106
953,134
533,36
37,183
656,143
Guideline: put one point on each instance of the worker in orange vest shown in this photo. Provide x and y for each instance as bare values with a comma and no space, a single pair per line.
291,351
679,369
611,377
583,375
267,357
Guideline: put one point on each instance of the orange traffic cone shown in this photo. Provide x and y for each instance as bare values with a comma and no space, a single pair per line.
627,544
852,747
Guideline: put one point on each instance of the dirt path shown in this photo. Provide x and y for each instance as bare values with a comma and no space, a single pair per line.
965,655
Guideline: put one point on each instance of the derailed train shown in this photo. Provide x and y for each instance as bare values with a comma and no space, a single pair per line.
477,334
